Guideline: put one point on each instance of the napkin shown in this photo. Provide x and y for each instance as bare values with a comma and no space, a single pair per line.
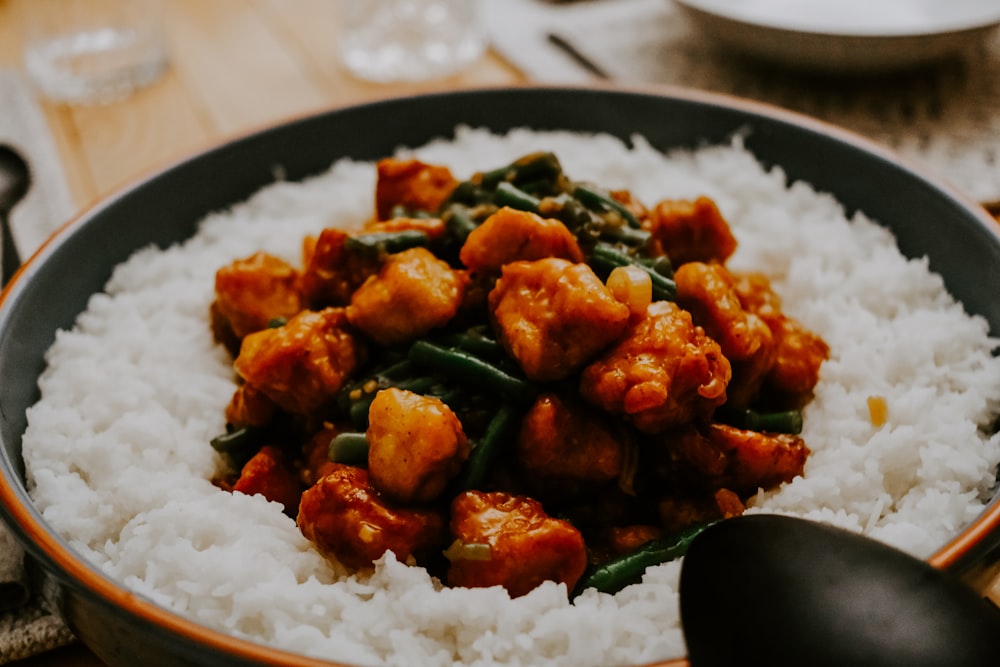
28,621
945,117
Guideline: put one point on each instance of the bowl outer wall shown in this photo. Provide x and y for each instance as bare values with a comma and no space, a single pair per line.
929,218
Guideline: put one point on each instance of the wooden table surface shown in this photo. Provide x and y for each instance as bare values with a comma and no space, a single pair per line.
236,65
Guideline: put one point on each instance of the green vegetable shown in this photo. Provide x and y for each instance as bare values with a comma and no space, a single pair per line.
458,222
628,569
239,442
629,236
510,195
380,243
542,166
475,342
501,431
349,448
594,198
467,368
606,258
787,421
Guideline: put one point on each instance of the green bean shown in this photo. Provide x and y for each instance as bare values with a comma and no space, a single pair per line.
468,368
400,211
662,265
785,421
467,193
475,342
349,448
237,441
378,243
458,222
605,258
277,322
615,575
482,459
534,166
239,444
510,195
594,198
630,236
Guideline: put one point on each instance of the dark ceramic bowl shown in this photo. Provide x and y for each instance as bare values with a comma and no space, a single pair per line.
961,240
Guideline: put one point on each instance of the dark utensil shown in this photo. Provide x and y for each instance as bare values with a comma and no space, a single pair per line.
15,179
775,590
576,55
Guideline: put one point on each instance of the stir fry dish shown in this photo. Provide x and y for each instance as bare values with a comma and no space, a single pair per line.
511,379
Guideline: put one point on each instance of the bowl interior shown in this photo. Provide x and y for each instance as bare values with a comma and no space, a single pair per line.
961,242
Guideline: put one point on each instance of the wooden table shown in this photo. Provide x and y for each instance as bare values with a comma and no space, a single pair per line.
237,65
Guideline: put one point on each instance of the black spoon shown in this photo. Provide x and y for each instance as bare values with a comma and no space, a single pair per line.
15,178
774,590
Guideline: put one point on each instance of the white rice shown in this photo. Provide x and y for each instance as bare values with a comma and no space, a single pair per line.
118,458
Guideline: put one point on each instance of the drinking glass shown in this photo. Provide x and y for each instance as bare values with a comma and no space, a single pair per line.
93,51
409,40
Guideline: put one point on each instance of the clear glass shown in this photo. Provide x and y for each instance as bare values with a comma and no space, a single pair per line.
93,51
409,40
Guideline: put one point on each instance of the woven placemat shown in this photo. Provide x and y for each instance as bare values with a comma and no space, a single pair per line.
945,117
28,623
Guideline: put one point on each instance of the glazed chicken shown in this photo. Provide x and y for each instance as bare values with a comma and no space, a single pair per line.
510,379
552,315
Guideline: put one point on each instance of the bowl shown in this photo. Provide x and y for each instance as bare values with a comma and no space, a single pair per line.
929,218
845,37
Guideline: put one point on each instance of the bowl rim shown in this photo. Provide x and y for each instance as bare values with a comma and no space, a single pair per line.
77,572
719,10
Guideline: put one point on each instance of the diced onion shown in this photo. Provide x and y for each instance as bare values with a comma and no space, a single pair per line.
460,550
878,410
632,286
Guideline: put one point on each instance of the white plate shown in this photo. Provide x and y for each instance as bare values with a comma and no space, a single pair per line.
846,35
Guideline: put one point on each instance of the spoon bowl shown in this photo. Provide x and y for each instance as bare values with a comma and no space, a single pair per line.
15,179
777,590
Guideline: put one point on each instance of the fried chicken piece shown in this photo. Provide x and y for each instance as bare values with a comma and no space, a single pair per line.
411,184
709,293
250,293
331,273
413,293
523,546
799,352
269,473
565,448
664,372
722,456
250,407
302,365
690,231
510,235
553,316
416,445
350,522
